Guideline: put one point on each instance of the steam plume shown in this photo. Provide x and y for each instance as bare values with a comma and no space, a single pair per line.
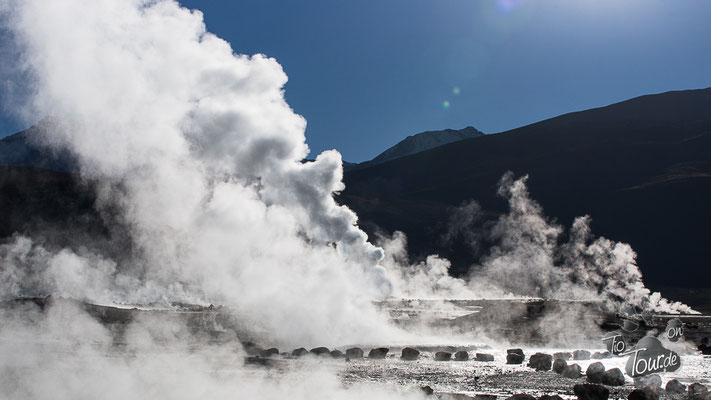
196,148
529,259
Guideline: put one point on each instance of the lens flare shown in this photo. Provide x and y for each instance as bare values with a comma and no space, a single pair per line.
456,90
506,6
445,104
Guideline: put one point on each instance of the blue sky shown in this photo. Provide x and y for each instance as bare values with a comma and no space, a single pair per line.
367,73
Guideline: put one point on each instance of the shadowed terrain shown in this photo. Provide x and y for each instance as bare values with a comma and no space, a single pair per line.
640,168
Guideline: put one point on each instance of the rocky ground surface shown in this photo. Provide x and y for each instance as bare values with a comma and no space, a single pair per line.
485,380
452,371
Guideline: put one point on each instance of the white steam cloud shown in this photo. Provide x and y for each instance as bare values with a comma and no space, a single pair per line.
196,148
197,156
62,353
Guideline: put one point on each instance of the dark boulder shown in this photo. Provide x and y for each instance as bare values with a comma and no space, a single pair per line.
354,352
442,356
587,391
484,357
299,352
697,391
461,355
652,381
514,356
540,362
320,351
559,365
273,352
613,377
595,372
484,397
521,396
643,394
674,387
705,346
337,354
251,348
428,390
599,356
379,353
409,354
581,355
572,371
562,356
550,397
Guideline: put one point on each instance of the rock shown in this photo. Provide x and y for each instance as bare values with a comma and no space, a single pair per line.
581,355
428,390
643,394
320,351
674,387
697,391
550,397
442,356
354,352
595,372
599,356
409,354
562,356
613,377
705,346
461,356
484,357
337,354
587,391
251,348
485,397
540,362
299,352
378,354
514,356
559,365
269,352
652,381
572,371
521,396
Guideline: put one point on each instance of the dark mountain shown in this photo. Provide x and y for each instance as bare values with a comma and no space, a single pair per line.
640,168
418,143
425,141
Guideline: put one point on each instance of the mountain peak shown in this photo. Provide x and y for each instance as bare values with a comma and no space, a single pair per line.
425,141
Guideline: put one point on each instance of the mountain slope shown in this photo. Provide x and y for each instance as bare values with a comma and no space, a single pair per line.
640,168
425,141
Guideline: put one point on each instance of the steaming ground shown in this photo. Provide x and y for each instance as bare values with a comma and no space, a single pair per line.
54,348
197,163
